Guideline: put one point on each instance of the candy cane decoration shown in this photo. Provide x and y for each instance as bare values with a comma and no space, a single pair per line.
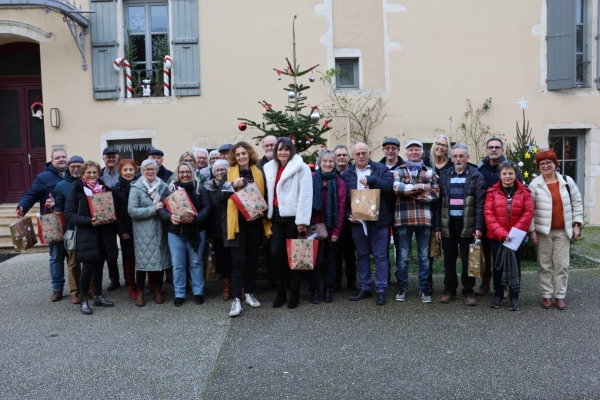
127,73
166,69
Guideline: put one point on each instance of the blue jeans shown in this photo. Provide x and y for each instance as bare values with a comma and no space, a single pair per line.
182,252
403,243
58,255
375,243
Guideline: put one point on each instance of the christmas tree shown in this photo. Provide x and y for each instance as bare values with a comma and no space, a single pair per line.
302,128
524,150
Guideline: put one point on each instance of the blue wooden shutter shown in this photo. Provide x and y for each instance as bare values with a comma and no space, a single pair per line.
561,44
103,27
186,49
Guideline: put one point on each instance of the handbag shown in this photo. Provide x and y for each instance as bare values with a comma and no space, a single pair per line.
319,229
70,236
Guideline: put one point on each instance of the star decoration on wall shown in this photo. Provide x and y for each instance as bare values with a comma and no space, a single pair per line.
523,103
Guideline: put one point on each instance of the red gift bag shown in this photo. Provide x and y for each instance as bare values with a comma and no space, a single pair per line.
250,201
102,206
51,226
179,204
302,253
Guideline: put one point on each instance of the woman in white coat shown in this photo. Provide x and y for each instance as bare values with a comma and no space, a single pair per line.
289,188
557,220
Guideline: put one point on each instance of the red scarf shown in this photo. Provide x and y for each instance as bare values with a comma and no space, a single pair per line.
94,187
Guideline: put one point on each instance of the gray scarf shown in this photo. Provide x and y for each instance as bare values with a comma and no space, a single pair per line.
153,188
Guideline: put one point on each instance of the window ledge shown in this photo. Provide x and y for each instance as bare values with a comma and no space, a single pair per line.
138,101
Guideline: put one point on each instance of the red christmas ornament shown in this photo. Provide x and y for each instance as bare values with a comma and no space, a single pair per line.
278,75
242,126
291,85
328,127
325,122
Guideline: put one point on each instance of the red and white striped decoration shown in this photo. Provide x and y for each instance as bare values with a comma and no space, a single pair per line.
125,64
166,75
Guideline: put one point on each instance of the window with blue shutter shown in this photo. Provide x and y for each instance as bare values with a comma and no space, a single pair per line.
186,49
561,44
103,30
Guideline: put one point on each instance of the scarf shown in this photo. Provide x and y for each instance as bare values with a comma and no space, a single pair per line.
414,167
94,187
331,214
233,226
153,188
193,231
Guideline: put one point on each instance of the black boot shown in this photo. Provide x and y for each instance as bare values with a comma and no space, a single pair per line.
328,295
280,299
294,298
314,297
100,301
84,307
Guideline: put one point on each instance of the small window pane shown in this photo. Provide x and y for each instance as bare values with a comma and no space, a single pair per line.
579,38
160,47
556,145
139,43
570,168
346,77
159,18
136,20
570,148
579,11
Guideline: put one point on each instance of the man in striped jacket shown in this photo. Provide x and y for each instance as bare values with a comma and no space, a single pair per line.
416,187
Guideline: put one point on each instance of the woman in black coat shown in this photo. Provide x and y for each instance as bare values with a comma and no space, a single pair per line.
96,240
127,170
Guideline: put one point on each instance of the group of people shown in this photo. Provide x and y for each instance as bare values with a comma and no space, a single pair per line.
440,197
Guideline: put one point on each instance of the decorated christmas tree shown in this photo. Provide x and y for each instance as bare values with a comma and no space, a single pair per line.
298,121
524,149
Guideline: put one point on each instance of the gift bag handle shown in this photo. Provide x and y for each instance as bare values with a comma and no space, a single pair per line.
305,235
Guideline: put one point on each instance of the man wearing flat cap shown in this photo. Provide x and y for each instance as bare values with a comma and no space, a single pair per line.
224,151
158,156
110,174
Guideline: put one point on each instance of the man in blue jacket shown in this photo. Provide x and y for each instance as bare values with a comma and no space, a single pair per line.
41,190
367,174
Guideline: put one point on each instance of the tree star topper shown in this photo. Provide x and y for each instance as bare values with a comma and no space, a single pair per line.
523,103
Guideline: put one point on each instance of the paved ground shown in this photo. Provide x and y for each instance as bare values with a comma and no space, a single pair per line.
341,350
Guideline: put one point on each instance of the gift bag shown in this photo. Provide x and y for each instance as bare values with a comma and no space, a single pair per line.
179,204
210,267
51,226
250,201
102,206
22,234
476,259
302,253
435,249
364,204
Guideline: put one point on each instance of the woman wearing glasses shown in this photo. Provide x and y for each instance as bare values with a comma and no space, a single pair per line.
186,235
150,239
189,158
557,221
96,239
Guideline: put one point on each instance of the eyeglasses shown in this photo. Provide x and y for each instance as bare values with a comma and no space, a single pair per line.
201,158
390,148
544,164
494,148
220,170
150,169
442,145
91,172
185,172
364,153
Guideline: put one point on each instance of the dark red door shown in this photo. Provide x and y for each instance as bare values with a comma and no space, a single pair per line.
22,137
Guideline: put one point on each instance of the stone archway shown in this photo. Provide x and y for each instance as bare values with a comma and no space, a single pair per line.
18,30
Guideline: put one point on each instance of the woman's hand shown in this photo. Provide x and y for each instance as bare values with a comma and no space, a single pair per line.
334,238
187,220
301,228
534,238
97,222
576,232
238,183
175,220
507,238
159,205
125,236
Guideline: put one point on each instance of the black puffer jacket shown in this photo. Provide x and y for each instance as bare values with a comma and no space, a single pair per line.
213,228
95,244
124,224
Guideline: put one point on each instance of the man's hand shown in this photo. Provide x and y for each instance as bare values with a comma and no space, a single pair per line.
354,221
20,212
438,236
125,236
478,234
334,238
363,181
50,202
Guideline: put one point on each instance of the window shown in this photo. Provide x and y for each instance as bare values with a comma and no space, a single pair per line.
135,149
567,38
146,44
348,76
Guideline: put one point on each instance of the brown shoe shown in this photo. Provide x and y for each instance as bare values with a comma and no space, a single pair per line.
56,296
483,289
447,298
75,299
560,304
470,300
133,292
226,285
158,295
546,303
139,301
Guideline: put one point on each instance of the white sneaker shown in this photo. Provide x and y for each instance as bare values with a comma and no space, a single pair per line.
236,308
251,300
424,297
400,295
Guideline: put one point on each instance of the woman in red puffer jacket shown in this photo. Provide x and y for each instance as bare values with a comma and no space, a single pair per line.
508,204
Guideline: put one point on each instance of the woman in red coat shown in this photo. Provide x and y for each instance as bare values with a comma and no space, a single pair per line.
508,204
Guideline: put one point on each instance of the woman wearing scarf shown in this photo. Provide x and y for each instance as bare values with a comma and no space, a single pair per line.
508,204
96,240
186,235
290,192
243,237
329,208
151,247
214,231
127,170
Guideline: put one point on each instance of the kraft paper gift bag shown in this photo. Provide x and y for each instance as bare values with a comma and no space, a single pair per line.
102,206
210,267
250,201
364,204
476,259
51,227
179,204
22,234
302,253
435,249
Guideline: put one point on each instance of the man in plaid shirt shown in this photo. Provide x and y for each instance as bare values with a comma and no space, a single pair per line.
416,187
